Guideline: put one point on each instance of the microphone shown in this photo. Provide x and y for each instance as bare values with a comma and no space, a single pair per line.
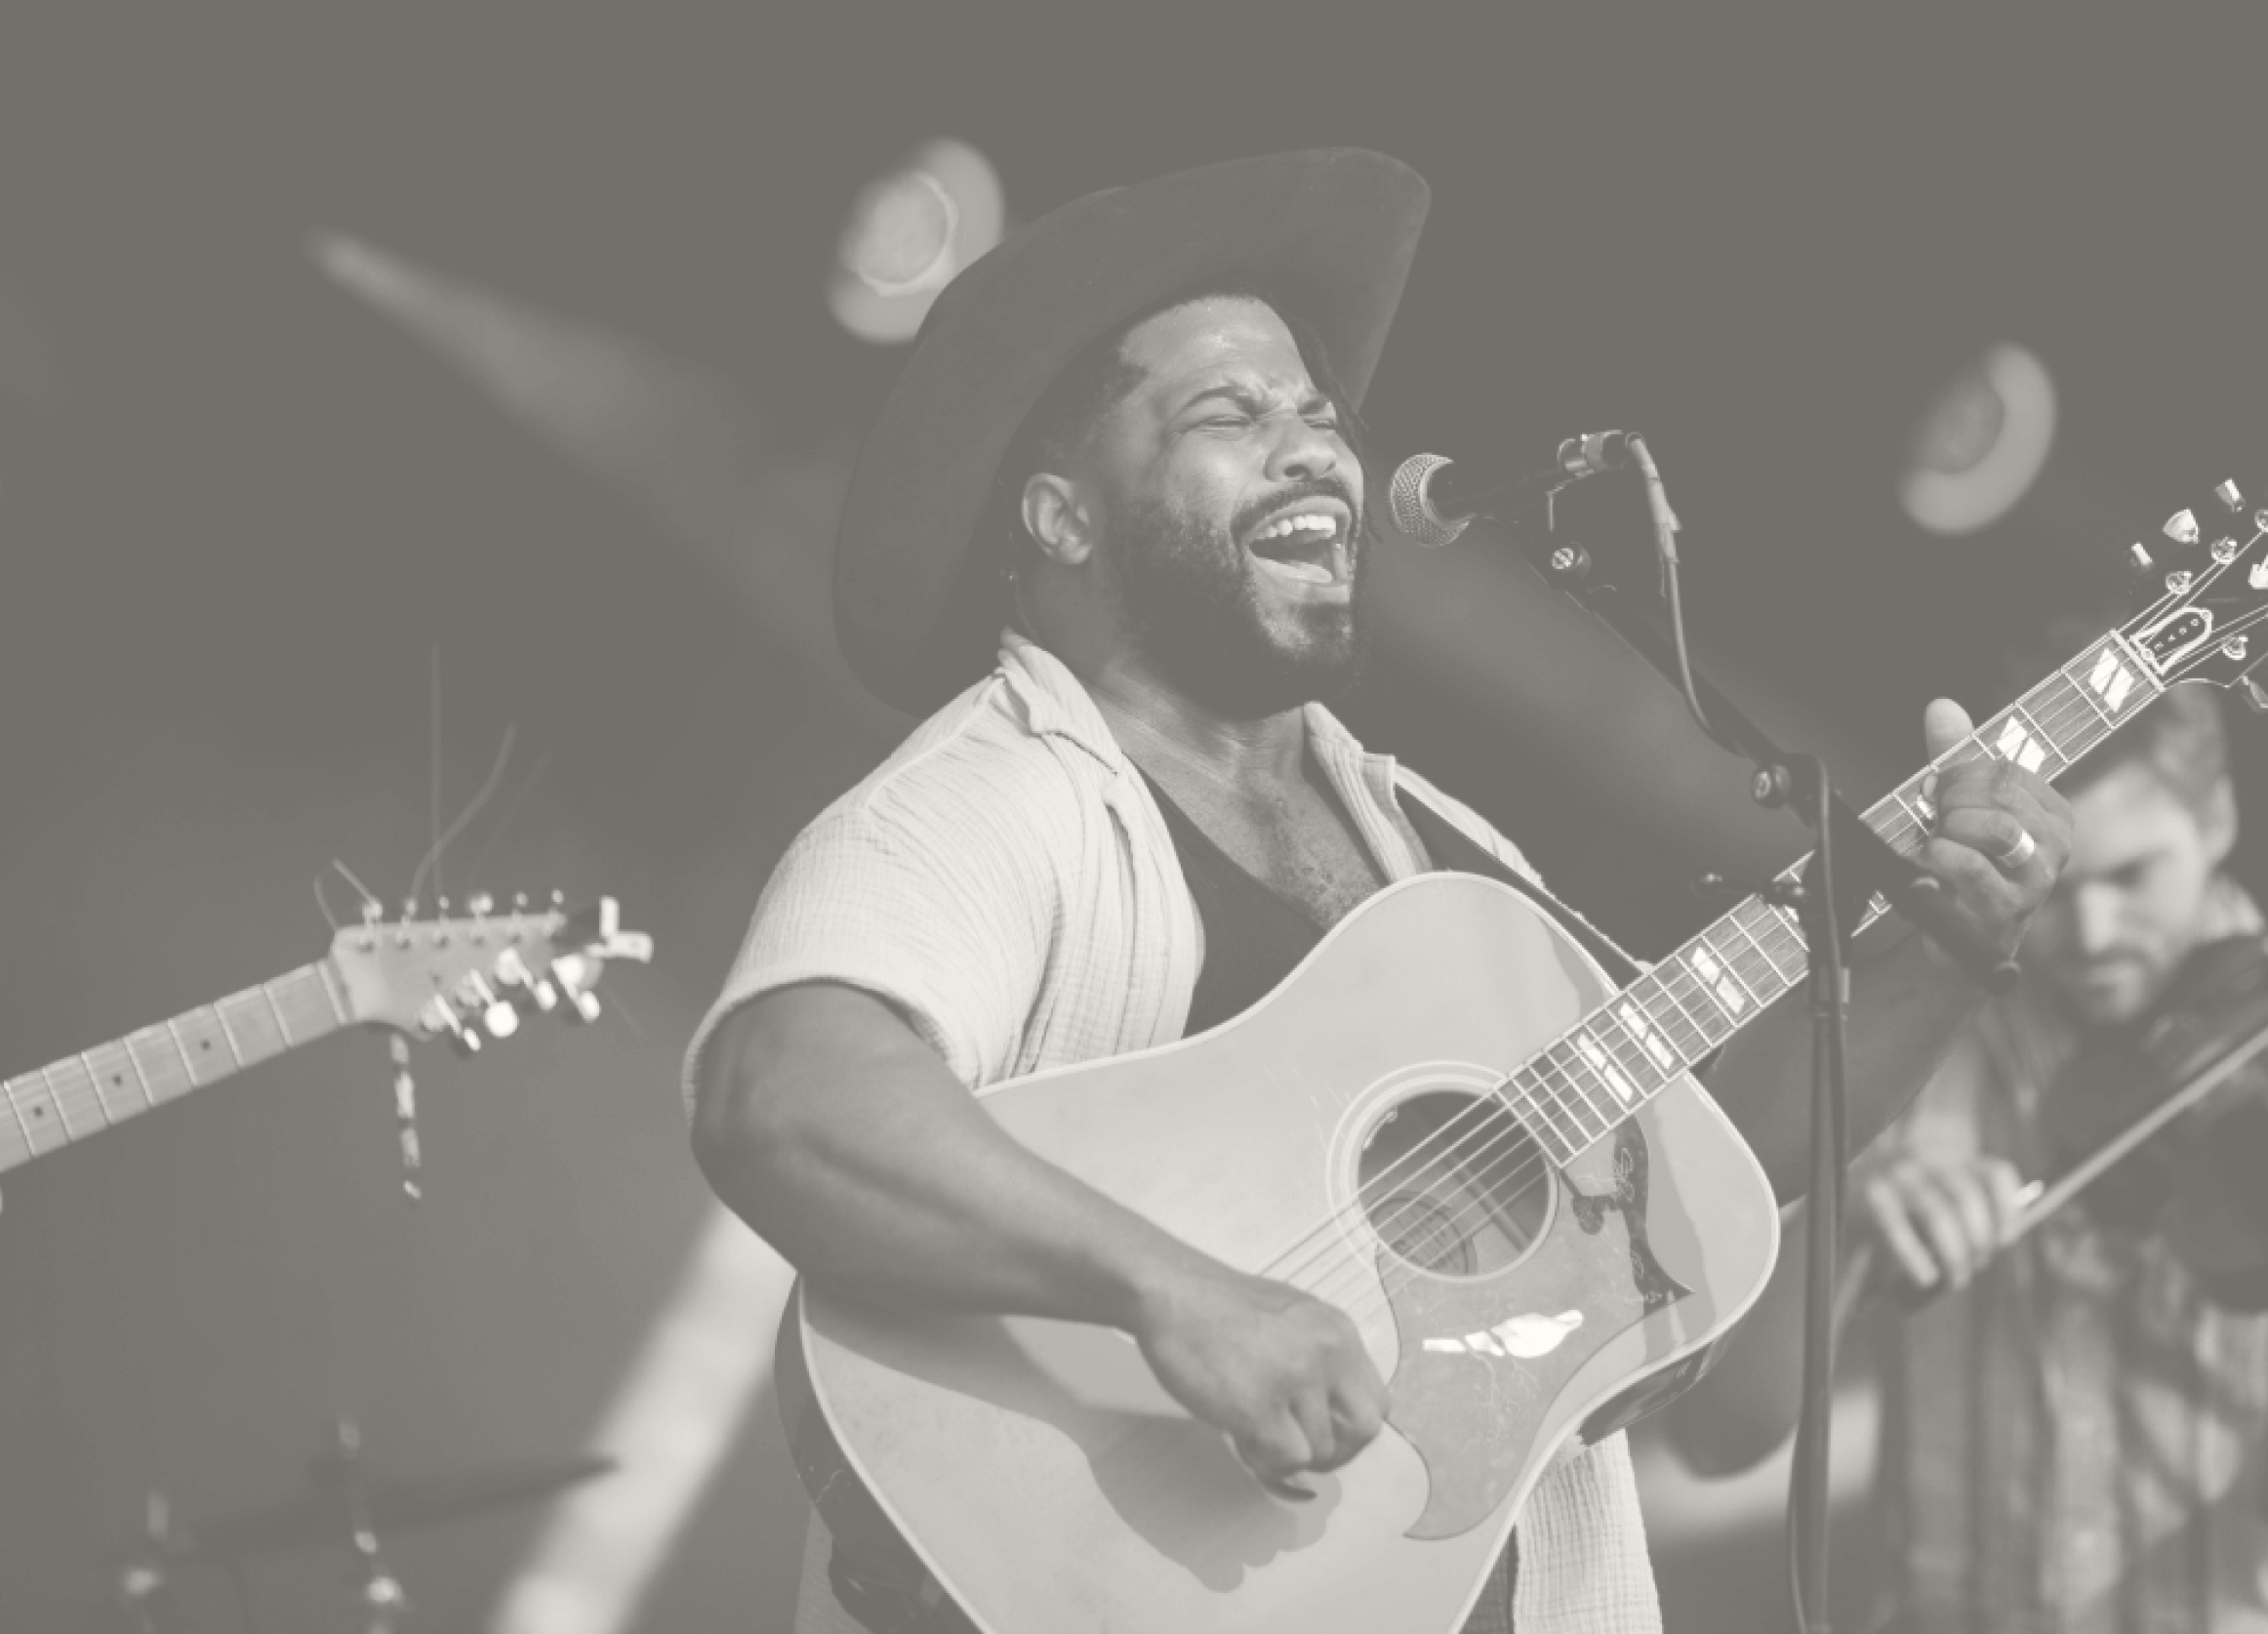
1432,498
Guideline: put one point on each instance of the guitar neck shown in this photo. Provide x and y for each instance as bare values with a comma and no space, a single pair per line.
1669,1020
83,1094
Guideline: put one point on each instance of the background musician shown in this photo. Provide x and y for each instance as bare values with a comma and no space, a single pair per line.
2074,1438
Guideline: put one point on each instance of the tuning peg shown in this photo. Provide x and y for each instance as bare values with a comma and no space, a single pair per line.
479,905
523,985
572,971
2225,550
439,1017
2230,495
2181,527
2138,559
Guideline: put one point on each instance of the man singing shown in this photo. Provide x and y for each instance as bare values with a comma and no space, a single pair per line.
1111,531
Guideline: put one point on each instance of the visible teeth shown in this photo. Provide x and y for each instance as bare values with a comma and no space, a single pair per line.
1310,522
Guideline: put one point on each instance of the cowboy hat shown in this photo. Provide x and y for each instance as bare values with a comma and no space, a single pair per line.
1329,231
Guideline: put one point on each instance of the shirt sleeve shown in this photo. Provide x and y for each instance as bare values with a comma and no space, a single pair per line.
945,919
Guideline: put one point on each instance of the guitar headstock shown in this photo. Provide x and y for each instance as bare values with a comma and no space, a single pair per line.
466,979
2204,593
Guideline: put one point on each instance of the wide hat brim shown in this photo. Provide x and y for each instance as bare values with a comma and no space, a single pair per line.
1329,231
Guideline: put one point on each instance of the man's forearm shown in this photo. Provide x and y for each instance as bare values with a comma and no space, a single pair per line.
840,1138
1906,1003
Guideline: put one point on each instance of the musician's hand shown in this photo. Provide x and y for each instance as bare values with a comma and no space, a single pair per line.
1283,1375
1942,1218
1999,835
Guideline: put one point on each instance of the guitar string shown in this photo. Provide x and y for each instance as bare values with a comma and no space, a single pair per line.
1664,977
1528,1155
1899,827
1528,1152
1484,1185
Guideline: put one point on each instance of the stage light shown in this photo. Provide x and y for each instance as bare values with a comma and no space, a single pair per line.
1981,444
909,232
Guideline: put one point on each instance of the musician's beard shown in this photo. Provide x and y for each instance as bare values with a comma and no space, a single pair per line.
1195,605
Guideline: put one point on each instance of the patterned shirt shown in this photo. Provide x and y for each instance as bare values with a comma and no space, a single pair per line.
2078,1442
1007,882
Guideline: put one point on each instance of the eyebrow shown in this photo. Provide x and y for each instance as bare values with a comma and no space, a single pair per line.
1245,397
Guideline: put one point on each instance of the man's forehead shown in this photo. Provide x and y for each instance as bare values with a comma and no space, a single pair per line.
2128,808
1214,335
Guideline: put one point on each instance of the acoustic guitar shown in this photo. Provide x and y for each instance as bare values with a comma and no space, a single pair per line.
1447,1122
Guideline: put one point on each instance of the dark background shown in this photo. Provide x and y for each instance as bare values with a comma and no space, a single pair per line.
240,509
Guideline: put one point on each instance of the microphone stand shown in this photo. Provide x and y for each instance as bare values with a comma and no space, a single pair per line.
1850,868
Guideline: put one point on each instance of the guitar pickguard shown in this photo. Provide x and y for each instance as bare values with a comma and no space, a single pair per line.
1482,1359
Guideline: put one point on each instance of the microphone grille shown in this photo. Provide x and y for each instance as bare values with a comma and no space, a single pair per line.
1405,499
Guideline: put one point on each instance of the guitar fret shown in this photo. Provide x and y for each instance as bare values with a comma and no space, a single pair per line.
253,1030
1720,1025
1737,919
193,1037
1728,948
283,1028
1577,1093
1541,1120
165,1073
1669,1016
228,1035
1582,1098
1645,1074
67,1097
112,1073
1662,1054
1702,1043
1647,1065
30,1146
1560,1059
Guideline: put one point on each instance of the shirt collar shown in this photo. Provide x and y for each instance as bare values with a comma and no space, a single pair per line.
1055,703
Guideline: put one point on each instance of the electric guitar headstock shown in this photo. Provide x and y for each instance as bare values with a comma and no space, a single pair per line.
2203,596
472,978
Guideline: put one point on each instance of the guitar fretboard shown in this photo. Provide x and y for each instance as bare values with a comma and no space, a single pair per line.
81,1094
1649,1034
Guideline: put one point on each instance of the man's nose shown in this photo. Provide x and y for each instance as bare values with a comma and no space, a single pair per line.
1302,452
2095,919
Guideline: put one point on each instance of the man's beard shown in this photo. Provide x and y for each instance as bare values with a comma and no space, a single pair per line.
1193,605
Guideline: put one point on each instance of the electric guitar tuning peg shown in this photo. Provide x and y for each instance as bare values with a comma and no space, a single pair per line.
2255,694
574,973
2230,495
521,984
439,1018
2181,527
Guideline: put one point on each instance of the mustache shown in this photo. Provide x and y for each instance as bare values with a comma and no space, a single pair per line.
1313,487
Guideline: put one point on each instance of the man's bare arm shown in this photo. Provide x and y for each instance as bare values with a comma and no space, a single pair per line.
837,1132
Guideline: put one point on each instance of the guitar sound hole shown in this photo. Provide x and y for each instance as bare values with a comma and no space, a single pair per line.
1453,1184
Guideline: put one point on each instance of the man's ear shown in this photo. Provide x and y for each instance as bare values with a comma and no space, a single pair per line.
1057,519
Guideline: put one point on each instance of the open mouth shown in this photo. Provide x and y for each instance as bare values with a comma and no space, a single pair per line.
1306,544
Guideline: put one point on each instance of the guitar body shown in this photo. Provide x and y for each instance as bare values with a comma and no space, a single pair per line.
1514,1307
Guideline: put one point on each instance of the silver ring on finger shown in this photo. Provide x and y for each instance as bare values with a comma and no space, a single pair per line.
2018,854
